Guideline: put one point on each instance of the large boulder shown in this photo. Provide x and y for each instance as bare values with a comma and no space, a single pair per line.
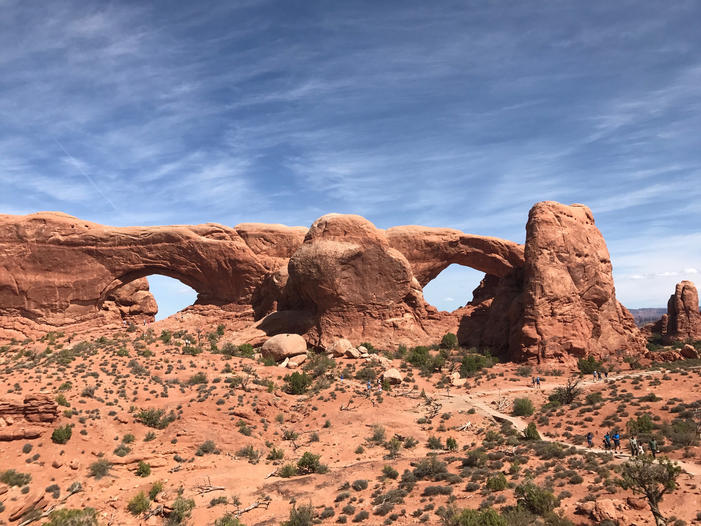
283,346
570,308
392,376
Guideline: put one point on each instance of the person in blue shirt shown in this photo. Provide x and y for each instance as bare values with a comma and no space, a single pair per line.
616,441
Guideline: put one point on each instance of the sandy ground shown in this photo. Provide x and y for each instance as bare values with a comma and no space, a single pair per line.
107,383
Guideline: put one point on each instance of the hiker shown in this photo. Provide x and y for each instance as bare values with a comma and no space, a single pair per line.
590,439
537,381
616,441
341,377
595,376
633,447
379,385
606,375
641,450
652,444
369,388
533,382
607,441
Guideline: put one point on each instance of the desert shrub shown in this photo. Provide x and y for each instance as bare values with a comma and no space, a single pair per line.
468,517
497,482
206,447
287,471
14,478
434,442
430,468
535,499
122,450
567,394
523,407
54,490
100,468
198,378
640,425
361,516
378,434
128,438
429,491
182,508
297,383
275,454
524,370
300,516
390,472
309,463
531,432
422,358
449,341
318,364
138,504
588,365
475,458
250,453
451,444
61,435
594,398
155,418
143,469
228,520
473,363
61,400
359,485
156,488
73,517
681,432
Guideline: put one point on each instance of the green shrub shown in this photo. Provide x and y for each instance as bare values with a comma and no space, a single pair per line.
309,463
182,509
13,478
468,517
588,365
61,400
206,447
531,432
434,443
199,378
594,398
155,418
390,472
100,468
287,471
73,517
143,469
138,504
297,383
122,450
61,435
156,488
523,407
451,444
359,485
449,341
497,482
640,425
228,520
300,516
535,499
473,363
275,454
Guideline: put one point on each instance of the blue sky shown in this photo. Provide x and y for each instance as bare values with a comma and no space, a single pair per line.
457,114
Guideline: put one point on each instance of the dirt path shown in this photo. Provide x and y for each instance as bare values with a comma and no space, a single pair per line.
520,424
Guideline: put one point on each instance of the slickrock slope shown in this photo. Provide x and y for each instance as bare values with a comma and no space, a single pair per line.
569,301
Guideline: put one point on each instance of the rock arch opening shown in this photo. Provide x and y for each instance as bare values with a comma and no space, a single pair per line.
453,287
171,295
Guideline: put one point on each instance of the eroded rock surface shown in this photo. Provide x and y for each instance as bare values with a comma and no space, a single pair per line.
341,278
569,299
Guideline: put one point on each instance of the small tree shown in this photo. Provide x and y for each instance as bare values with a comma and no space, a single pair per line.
523,407
652,479
567,394
531,432
449,341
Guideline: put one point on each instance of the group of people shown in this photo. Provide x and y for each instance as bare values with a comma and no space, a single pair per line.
612,441
535,381
597,375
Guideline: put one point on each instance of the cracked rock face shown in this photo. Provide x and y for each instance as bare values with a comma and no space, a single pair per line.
569,299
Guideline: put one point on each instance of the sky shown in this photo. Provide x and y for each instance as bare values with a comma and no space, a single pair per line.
453,114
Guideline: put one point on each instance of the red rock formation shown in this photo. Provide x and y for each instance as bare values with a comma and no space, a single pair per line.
133,301
569,302
58,270
341,278
684,319
431,250
34,408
